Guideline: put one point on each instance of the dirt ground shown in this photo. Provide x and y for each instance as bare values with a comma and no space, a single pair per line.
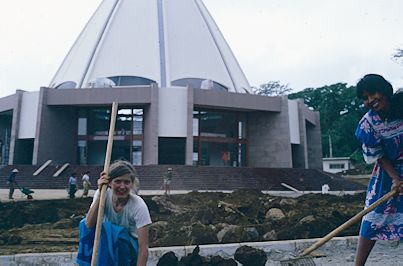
193,218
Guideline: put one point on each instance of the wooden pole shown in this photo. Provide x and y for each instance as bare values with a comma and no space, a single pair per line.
102,195
347,224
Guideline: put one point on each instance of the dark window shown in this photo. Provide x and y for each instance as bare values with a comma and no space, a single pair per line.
131,81
336,166
197,84
220,138
67,85
93,130
171,150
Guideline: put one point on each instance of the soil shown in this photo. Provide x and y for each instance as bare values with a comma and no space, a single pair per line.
188,219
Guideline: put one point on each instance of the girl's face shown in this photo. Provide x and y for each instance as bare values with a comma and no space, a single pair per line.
375,101
122,186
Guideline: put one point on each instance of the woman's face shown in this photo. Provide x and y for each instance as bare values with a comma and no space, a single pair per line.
122,186
375,101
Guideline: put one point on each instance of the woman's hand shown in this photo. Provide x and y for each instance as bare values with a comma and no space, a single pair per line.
103,180
397,185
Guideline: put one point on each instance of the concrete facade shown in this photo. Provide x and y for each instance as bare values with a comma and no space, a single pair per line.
268,128
269,138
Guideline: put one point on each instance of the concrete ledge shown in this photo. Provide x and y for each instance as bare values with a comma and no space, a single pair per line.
276,251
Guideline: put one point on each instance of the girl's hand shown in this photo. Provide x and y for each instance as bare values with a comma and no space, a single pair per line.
103,180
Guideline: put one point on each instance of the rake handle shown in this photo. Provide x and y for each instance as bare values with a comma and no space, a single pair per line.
102,195
347,224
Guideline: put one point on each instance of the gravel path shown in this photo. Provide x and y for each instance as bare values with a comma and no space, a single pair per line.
384,253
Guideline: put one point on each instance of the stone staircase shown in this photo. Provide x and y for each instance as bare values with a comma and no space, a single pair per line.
189,177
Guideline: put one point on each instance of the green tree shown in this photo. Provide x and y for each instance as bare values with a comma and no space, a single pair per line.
272,88
340,112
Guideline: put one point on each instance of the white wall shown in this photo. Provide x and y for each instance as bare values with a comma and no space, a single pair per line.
293,121
29,115
172,112
345,162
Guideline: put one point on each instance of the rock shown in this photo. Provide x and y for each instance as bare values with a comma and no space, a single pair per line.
157,230
202,234
193,259
204,216
292,213
168,259
63,224
166,206
231,218
212,227
162,233
307,219
274,214
220,261
350,258
250,234
226,228
271,235
288,202
230,234
249,256
10,239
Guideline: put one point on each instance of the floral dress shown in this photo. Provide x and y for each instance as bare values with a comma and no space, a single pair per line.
382,139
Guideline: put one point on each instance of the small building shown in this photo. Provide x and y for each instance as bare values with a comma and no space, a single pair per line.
337,164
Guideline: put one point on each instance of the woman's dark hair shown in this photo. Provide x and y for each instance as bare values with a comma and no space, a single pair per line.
373,83
119,168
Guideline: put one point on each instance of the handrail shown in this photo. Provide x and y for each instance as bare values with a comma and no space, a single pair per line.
43,166
58,172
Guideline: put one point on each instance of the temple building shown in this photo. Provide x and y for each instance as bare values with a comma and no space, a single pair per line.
183,98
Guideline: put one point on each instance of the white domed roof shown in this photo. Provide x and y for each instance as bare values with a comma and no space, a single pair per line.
171,42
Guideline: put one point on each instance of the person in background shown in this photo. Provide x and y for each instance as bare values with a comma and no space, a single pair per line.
72,185
380,131
167,179
86,184
12,183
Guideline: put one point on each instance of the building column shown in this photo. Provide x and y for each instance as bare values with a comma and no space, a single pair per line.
189,138
15,126
150,134
314,141
302,152
56,133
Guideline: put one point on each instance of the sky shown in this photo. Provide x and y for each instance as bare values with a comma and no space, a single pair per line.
305,43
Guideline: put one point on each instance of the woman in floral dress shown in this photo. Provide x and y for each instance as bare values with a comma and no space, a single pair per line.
381,133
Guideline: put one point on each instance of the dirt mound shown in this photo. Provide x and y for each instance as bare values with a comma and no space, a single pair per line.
189,219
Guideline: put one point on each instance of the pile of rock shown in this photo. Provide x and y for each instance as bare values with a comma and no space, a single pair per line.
245,255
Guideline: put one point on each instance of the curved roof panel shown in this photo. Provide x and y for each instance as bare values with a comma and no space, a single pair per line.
160,40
